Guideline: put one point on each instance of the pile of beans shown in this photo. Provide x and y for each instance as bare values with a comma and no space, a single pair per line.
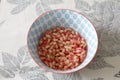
62,48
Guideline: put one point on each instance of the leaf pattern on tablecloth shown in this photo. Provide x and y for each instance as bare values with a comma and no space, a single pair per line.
19,8
36,69
24,69
56,1
1,23
82,5
16,1
109,43
32,1
70,76
117,75
18,65
23,55
42,7
105,12
105,16
33,73
99,63
49,2
6,72
10,61
98,78
21,5
20,1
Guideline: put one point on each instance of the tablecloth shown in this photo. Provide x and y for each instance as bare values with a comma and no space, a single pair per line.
16,17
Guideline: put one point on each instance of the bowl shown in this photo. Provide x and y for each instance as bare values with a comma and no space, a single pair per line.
66,18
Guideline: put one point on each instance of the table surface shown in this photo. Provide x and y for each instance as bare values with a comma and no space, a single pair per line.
16,16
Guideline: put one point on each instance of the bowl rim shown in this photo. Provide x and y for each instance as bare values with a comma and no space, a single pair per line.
72,11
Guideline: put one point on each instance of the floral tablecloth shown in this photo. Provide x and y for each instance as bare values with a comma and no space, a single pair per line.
16,16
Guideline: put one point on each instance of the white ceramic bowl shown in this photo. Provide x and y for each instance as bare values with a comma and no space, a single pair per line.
66,18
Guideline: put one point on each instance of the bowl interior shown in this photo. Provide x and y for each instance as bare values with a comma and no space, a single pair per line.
66,18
